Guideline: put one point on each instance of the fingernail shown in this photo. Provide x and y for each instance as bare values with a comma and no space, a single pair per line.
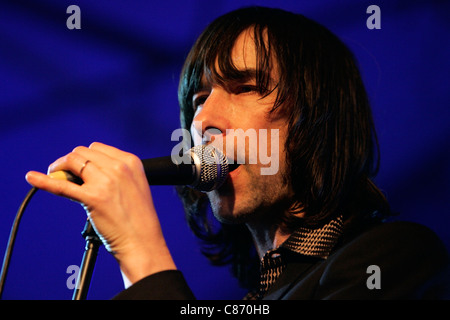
29,176
49,169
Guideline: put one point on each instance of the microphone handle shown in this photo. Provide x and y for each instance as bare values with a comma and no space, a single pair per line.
159,171
162,171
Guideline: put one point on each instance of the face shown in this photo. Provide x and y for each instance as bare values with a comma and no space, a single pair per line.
236,118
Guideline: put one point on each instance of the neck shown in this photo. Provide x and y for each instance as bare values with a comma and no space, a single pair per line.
266,237
270,233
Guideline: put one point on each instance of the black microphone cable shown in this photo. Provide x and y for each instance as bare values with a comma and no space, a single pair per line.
12,238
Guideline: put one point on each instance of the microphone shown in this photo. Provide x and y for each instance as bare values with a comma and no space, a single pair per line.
206,169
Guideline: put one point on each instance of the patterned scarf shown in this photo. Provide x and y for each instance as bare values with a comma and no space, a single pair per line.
310,242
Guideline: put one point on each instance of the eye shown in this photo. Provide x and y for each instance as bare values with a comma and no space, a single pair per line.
198,100
245,89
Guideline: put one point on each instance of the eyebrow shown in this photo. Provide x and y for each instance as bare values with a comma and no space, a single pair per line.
233,77
244,75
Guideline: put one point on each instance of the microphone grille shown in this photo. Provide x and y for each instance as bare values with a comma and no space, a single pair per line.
211,167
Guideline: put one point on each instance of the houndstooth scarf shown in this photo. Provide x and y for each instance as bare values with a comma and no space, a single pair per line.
310,242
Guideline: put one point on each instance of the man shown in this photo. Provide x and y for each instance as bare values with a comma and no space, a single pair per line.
312,229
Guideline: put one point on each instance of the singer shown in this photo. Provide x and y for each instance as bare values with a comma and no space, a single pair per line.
315,228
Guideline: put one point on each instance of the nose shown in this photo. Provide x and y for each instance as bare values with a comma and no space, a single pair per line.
210,120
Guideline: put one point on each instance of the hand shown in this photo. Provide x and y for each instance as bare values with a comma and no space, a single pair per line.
117,199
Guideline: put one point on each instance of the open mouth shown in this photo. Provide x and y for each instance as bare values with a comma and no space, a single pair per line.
227,188
234,170
233,166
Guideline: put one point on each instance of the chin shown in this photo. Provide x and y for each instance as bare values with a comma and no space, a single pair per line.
222,205
229,210
242,197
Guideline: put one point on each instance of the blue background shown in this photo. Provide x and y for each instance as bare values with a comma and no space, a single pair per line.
115,81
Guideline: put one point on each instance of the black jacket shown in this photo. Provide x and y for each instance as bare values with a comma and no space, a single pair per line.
398,260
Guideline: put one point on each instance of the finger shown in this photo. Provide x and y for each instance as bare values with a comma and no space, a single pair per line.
114,162
130,159
70,162
100,159
105,163
126,164
77,164
56,186
106,149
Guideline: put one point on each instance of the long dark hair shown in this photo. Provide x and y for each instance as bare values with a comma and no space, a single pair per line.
332,146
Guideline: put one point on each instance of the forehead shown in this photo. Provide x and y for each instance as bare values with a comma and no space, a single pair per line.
244,51
247,58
